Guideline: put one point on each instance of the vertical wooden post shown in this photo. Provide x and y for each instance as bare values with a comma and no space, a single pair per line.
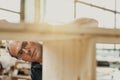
68,59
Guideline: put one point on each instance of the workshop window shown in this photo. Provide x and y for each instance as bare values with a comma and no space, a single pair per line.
10,10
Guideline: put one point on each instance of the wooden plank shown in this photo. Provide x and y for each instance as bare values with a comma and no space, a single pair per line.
58,29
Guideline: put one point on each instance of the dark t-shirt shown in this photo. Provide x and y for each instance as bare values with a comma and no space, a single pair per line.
36,71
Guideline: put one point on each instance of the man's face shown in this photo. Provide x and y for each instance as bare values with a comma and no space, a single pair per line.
26,50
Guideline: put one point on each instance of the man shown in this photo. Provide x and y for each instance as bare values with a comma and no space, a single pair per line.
28,51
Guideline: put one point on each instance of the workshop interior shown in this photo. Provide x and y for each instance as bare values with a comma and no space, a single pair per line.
81,38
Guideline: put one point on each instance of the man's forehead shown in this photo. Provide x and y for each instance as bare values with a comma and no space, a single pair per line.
15,44
14,47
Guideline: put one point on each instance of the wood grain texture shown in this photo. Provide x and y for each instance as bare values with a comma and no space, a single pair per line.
68,60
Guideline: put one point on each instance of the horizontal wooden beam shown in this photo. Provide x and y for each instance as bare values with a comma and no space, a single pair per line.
48,32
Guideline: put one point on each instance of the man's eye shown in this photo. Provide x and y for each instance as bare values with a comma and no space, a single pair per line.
29,50
24,44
